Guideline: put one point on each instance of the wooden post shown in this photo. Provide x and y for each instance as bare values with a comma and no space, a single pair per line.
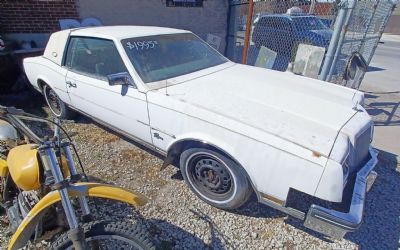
248,31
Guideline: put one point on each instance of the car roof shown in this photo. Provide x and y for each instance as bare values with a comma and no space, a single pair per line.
124,31
286,15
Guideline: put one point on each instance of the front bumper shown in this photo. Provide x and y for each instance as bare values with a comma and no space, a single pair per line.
336,224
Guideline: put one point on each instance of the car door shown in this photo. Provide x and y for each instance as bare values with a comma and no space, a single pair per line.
89,61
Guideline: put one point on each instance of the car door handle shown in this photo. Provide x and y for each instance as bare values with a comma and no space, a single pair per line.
70,84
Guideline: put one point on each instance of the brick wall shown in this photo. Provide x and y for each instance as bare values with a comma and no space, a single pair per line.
209,19
35,16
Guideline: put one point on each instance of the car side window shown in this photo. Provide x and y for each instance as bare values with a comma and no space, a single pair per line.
94,57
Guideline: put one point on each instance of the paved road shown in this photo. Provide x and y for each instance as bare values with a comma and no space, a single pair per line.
384,74
382,86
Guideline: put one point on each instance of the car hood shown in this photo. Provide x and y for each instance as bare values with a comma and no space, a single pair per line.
253,101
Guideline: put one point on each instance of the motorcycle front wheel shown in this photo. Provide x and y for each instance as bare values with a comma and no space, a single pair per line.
108,235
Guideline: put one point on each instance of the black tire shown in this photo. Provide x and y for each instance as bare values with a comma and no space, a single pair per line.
126,231
225,186
57,107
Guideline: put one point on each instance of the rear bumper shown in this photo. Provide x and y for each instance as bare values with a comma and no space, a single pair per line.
336,224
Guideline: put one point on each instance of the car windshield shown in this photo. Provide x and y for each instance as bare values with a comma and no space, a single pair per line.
308,23
161,57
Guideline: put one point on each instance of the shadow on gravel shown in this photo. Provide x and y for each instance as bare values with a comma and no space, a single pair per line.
216,233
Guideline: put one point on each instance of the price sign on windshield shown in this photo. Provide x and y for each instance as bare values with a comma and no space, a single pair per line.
142,45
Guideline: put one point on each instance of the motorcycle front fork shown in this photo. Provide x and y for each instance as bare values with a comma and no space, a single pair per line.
50,163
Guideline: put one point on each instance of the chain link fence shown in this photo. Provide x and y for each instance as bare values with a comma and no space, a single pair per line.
310,38
366,23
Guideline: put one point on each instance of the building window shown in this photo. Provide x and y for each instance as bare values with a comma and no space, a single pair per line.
185,3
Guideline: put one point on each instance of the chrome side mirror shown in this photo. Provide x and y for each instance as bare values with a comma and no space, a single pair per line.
355,63
123,79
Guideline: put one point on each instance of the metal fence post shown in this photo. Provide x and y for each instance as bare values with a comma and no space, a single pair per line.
380,36
340,20
248,31
312,7
352,4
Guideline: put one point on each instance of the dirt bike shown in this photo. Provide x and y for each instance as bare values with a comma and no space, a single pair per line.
41,189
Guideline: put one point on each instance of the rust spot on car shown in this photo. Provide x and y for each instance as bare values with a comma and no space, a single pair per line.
316,154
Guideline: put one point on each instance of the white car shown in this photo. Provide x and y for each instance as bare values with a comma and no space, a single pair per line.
233,129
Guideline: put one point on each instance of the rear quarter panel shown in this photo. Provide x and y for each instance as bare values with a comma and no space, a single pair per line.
42,69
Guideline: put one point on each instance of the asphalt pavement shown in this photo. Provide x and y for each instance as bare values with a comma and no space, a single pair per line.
382,91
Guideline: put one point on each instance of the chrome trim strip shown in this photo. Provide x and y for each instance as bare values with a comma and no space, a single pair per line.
287,210
320,218
165,133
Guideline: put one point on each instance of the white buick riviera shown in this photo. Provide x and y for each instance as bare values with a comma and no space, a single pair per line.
233,129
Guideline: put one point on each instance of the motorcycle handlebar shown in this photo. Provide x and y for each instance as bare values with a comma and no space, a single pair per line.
10,110
13,115
15,111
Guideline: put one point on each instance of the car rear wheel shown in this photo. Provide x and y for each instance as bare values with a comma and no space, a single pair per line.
57,107
215,178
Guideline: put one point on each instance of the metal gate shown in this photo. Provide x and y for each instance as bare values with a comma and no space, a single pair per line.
279,34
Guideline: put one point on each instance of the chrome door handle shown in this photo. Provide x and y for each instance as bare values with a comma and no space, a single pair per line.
70,84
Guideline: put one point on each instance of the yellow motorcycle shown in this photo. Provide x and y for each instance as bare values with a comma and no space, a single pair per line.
41,189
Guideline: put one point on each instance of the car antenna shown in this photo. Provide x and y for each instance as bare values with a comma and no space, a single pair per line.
166,88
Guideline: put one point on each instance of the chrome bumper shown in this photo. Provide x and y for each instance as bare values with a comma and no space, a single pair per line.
336,224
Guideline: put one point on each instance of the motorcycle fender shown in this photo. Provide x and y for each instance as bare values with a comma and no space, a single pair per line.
27,226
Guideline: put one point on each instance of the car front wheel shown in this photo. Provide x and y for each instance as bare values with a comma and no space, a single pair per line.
57,107
215,178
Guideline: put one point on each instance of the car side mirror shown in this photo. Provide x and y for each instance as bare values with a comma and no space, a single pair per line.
123,79
356,62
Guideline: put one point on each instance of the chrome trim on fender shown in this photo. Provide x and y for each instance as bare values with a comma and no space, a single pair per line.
336,224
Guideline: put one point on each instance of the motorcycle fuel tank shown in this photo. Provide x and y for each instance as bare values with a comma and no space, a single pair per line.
3,168
23,166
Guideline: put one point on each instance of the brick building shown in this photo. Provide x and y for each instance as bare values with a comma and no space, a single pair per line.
27,20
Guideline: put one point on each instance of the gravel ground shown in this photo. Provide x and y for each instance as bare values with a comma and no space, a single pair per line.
176,219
